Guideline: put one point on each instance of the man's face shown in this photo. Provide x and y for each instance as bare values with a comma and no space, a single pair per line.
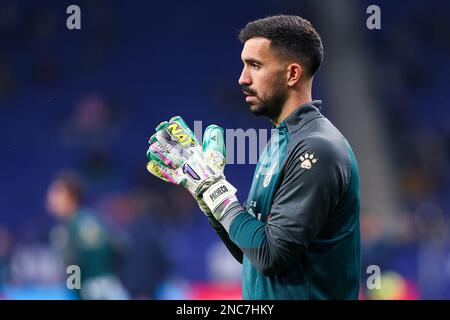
263,78
59,200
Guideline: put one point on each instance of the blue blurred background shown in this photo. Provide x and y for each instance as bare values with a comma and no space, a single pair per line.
87,100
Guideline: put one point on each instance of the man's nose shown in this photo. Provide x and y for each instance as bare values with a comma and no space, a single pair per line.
245,79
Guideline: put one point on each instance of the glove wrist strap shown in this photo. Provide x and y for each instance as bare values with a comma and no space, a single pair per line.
218,193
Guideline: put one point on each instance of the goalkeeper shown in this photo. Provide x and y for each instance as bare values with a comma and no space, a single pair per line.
297,235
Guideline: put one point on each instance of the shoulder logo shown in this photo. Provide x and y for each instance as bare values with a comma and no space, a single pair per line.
307,160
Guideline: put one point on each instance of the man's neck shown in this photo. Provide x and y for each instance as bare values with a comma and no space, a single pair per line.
291,104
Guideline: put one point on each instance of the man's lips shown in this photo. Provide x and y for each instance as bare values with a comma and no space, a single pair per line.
248,96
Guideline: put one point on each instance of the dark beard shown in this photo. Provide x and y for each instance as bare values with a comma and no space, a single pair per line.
271,105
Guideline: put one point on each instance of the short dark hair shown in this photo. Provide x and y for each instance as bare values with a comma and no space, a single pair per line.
289,35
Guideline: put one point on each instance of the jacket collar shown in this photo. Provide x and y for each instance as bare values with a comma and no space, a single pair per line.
302,115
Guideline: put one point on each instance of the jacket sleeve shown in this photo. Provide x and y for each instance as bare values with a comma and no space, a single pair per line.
235,251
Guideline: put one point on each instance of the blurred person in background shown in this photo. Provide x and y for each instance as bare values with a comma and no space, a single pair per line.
84,239
145,264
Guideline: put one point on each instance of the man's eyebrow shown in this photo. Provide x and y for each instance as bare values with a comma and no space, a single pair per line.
251,61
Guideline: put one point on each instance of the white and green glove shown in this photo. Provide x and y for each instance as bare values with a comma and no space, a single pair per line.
176,156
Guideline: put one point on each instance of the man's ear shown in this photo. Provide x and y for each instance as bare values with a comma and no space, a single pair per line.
294,74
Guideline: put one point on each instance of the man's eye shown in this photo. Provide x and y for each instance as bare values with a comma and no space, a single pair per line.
256,66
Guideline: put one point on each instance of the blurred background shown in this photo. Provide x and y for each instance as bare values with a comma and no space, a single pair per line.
77,108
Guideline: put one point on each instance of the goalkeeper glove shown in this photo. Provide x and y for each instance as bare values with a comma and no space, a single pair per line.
175,156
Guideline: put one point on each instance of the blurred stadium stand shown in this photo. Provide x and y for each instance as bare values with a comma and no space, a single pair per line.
89,99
